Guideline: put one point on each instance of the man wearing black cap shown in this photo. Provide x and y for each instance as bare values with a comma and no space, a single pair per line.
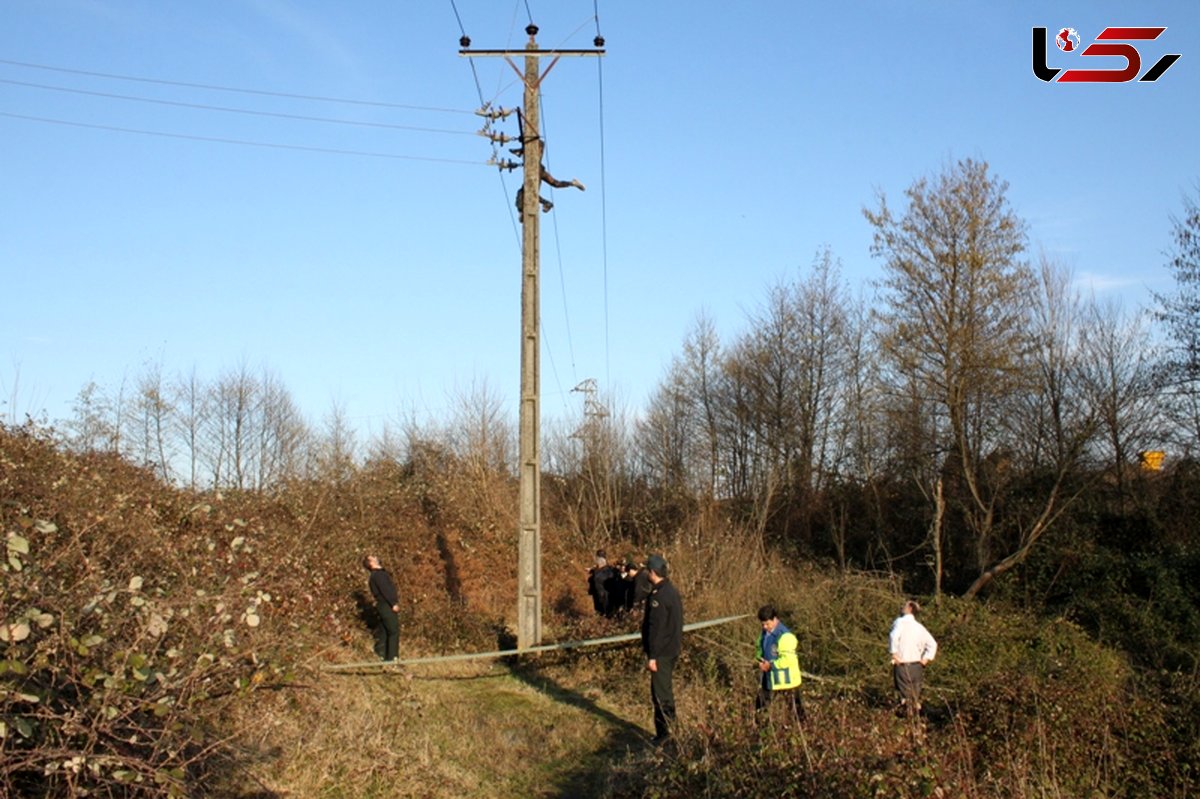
662,641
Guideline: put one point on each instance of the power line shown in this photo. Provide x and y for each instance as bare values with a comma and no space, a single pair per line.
226,109
242,142
562,281
599,42
465,41
218,88
458,17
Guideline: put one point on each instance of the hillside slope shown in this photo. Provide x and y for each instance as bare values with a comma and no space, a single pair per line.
160,642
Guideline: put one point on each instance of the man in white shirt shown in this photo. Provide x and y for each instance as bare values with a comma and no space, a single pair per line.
912,647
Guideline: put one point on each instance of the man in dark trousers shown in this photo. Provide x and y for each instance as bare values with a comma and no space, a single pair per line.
662,641
641,586
912,649
598,579
779,666
387,602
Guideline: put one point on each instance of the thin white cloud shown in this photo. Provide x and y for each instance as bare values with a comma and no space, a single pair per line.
308,28
1101,283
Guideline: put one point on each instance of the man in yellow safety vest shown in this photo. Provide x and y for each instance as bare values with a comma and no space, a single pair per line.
779,665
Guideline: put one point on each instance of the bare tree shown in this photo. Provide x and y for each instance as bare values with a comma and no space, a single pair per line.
1051,417
333,452
855,465
92,428
956,324
229,430
698,378
794,364
1050,422
1119,374
252,435
150,440
281,433
191,401
604,465
483,437
11,395
1179,311
664,432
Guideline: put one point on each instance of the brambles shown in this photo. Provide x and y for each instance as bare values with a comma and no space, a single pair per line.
157,642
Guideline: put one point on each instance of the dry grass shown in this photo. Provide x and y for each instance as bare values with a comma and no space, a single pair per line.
434,731
1019,706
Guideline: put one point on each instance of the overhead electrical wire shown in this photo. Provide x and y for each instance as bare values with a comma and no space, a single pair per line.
465,41
226,109
243,142
603,193
557,241
562,283
218,88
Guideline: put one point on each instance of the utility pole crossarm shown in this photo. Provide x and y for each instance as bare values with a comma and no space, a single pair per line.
485,53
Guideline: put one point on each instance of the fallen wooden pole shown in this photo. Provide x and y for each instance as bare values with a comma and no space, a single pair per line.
501,653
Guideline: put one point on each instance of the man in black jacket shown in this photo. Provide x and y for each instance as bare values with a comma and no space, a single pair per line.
387,602
662,641
641,587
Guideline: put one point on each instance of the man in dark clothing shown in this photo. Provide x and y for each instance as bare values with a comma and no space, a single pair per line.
625,585
662,641
617,590
640,588
598,578
387,602
603,582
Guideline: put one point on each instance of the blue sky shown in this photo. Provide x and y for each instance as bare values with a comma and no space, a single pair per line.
723,145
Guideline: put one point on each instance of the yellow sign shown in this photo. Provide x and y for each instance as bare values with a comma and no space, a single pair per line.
1152,460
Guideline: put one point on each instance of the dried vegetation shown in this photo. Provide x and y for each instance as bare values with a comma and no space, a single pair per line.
158,642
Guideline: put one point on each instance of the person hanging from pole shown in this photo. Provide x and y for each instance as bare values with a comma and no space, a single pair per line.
553,181
544,176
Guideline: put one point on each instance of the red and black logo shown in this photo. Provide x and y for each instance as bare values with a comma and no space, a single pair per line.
1110,42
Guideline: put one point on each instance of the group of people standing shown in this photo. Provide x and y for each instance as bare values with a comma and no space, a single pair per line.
648,585
628,585
617,588
910,644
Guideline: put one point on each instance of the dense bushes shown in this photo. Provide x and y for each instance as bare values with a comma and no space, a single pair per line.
133,614
126,609
140,625
1015,706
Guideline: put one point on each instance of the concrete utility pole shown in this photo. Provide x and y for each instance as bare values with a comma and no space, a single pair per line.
529,555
